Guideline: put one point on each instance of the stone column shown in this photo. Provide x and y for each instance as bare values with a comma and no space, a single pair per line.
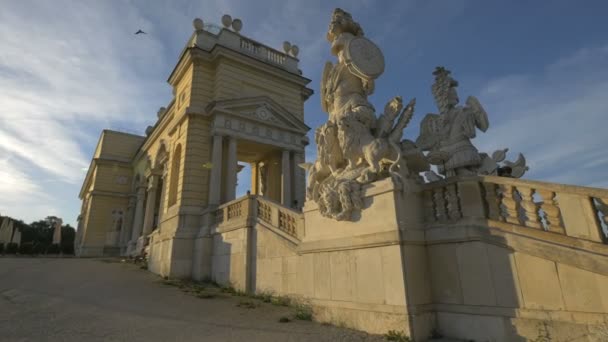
254,178
138,219
286,180
231,170
163,193
128,224
298,181
150,204
215,180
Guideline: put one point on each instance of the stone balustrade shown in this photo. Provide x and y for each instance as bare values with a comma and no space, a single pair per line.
251,47
289,221
573,211
207,40
254,207
234,211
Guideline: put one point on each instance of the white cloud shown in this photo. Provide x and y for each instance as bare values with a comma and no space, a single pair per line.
557,118
67,69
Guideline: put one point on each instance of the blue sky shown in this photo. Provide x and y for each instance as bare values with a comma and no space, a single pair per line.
68,69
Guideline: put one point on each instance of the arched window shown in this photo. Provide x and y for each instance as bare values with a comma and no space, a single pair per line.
175,169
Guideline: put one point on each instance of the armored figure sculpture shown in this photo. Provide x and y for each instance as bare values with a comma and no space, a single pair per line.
354,147
447,135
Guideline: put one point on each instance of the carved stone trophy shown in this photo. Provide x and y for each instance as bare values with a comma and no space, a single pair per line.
355,147
447,136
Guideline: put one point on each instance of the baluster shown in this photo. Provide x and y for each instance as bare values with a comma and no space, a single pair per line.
551,209
440,203
531,218
429,206
493,201
510,204
602,205
452,202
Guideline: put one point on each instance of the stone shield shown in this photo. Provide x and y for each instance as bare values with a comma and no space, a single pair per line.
364,58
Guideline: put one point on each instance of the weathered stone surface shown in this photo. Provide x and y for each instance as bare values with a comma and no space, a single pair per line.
540,284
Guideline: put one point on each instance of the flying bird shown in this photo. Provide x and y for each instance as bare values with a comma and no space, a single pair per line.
140,31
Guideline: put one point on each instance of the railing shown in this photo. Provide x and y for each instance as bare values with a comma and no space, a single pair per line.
275,57
289,221
253,207
250,46
262,51
575,211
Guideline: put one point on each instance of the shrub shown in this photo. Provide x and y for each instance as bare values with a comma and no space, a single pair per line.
399,336
12,248
303,312
248,304
280,300
1,248
26,248
40,248
67,249
53,249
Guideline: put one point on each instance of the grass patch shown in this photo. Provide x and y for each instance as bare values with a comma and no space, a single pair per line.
399,336
280,301
248,304
264,296
303,312
228,289
205,295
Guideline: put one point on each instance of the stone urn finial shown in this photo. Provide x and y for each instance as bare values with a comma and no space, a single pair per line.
237,25
198,24
226,20
294,50
286,46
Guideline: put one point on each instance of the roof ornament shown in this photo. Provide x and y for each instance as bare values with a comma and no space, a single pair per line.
237,25
198,24
226,20
286,46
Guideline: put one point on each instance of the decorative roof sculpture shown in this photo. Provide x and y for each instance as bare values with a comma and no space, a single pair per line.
447,136
356,147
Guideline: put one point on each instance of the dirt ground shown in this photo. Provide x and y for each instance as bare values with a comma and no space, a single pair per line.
53,299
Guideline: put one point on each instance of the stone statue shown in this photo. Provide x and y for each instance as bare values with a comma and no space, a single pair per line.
354,147
117,220
447,135
57,231
262,178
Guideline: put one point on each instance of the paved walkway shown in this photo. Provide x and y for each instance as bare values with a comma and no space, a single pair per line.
104,300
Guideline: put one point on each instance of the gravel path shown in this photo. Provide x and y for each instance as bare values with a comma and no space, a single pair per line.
46,299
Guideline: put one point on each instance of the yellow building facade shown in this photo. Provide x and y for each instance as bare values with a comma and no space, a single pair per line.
469,257
236,102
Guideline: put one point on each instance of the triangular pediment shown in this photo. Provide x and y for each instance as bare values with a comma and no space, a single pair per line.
262,109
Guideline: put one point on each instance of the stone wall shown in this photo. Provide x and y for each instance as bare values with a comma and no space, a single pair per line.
399,268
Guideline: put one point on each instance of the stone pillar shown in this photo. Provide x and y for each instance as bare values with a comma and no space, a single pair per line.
128,224
231,170
150,204
138,219
299,180
216,171
254,178
286,179
163,194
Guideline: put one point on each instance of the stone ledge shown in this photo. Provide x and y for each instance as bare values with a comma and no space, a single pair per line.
551,315
363,241
279,232
576,256
383,308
